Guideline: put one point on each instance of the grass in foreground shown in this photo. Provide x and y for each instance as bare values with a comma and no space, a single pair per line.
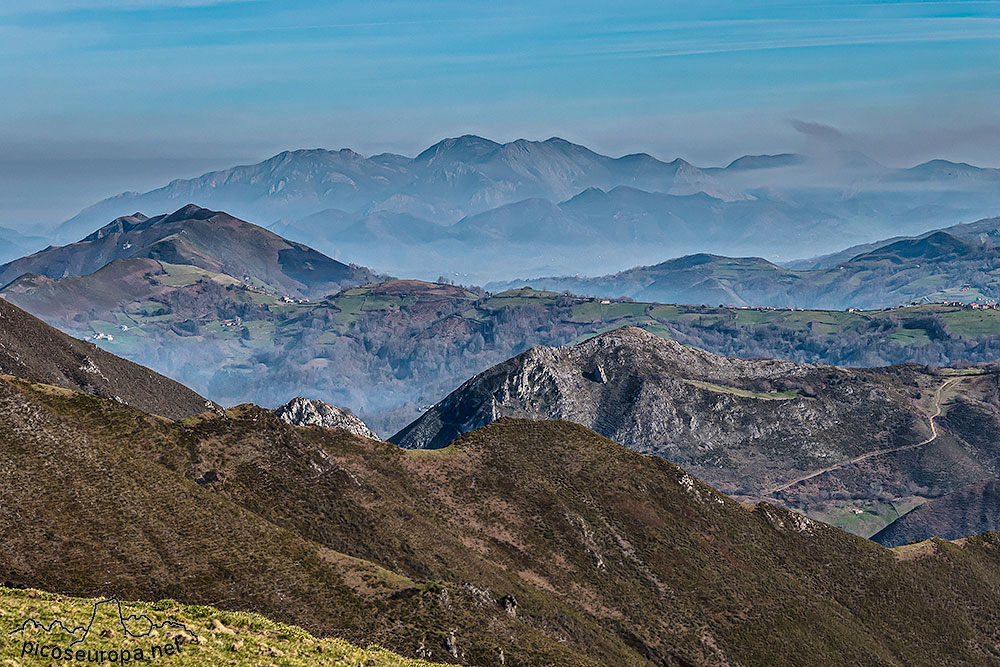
195,635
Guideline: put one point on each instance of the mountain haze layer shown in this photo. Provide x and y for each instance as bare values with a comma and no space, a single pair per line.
549,201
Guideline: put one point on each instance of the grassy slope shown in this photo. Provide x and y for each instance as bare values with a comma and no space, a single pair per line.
216,637
79,469
31,349
623,557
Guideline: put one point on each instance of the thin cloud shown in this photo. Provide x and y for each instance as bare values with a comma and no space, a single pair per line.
817,131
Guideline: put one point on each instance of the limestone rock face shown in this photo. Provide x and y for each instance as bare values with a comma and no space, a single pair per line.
745,425
306,412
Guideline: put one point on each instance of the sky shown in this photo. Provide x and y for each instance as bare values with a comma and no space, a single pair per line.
107,96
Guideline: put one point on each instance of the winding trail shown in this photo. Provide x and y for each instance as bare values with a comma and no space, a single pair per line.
878,452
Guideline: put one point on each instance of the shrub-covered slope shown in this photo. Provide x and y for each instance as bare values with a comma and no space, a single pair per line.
540,541
31,349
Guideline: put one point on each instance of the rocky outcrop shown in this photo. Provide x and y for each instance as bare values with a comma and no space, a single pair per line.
750,427
306,412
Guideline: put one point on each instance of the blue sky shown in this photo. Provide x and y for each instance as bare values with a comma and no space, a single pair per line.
102,97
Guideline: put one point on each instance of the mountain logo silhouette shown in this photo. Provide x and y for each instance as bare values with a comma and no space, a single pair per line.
81,632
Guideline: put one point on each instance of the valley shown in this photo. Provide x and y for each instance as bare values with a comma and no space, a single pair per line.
416,341
390,334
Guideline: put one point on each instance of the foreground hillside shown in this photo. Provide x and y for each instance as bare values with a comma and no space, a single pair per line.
522,543
204,635
822,439
220,510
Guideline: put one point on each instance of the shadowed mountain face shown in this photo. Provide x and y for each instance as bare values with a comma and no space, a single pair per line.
523,543
31,349
209,240
970,510
935,267
810,435
451,207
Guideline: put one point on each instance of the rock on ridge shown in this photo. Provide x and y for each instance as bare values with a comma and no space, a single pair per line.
309,412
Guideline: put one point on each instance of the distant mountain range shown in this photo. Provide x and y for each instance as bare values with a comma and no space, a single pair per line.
14,244
961,263
478,210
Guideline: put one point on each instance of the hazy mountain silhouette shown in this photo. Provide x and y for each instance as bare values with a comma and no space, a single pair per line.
397,213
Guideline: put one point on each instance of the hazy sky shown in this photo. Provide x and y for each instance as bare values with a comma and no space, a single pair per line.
102,97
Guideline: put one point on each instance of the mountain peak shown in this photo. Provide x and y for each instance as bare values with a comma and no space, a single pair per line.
465,147
937,245
211,240
750,162
302,411
189,212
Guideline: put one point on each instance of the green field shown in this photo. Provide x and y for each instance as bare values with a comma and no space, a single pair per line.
865,518
736,391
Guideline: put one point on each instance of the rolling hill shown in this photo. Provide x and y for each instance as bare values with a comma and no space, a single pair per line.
209,240
938,266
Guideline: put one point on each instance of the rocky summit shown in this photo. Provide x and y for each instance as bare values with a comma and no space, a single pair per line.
305,412
811,435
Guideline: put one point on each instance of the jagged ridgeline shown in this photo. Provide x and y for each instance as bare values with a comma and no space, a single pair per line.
522,542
